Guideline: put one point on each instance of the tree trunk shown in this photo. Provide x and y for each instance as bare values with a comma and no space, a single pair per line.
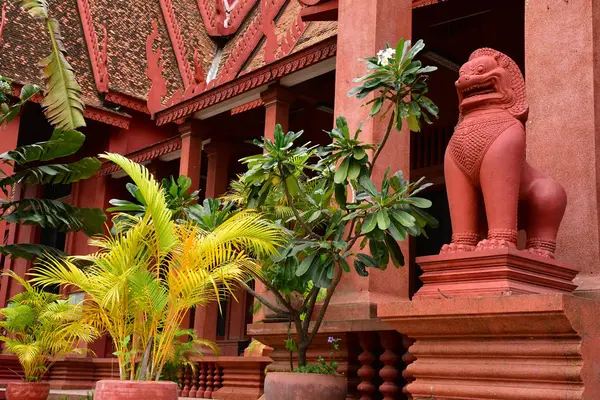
302,349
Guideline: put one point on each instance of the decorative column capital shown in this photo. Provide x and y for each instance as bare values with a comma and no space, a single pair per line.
190,127
277,95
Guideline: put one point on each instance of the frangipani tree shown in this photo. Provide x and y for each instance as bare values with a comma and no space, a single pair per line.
144,279
326,198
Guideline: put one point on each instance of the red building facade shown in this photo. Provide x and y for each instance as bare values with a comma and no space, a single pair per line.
183,85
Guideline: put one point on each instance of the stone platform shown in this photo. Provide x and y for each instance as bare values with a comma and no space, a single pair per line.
499,272
526,347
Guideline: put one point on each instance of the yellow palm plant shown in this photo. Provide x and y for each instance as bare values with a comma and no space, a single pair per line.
41,327
144,279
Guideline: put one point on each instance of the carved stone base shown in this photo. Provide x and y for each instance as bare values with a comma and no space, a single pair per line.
493,273
530,347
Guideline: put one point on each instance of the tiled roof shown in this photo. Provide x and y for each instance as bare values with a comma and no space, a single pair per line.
228,43
120,28
21,50
129,22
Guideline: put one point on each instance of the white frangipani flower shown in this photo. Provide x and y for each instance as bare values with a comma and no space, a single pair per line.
384,56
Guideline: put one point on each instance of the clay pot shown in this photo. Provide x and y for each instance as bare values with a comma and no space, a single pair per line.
135,390
27,391
294,386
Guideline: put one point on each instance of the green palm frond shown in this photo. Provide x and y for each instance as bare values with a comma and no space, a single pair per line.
153,197
251,231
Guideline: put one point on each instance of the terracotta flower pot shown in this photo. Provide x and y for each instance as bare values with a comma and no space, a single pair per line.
293,386
27,391
135,390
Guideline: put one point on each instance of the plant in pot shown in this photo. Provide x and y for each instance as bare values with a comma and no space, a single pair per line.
144,279
335,212
40,327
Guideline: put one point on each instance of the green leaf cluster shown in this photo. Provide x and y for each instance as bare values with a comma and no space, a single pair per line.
47,213
326,199
399,87
180,201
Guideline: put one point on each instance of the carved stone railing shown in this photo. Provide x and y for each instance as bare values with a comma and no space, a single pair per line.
384,358
225,378
239,378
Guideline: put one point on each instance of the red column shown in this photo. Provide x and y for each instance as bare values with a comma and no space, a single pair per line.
19,234
10,136
564,121
277,101
191,153
189,165
218,152
277,111
93,193
381,21
217,182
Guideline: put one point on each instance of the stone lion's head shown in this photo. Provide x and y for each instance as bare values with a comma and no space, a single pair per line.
492,78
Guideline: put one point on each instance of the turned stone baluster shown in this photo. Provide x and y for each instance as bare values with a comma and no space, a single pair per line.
390,343
186,383
368,343
217,378
209,380
407,359
180,373
194,385
201,381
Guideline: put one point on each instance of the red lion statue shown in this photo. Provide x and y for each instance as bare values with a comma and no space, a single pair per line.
485,167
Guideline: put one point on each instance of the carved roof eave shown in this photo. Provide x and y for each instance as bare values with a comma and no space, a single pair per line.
145,154
127,101
265,75
106,116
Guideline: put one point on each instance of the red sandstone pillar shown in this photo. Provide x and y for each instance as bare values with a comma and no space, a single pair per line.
10,136
190,164
217,182
564,120
191,153
277,111
277,101
218,152
381,21
93,193
19,234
